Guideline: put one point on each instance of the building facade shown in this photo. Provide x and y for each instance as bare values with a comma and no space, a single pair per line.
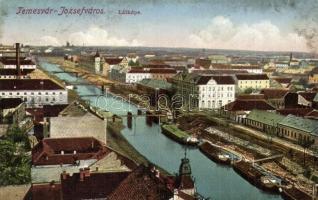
254,81
34,92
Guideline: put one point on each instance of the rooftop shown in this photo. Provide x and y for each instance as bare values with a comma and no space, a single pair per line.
269,118
15,72
248,105
252,76
51,151
307,125
152,83
29,84
222,80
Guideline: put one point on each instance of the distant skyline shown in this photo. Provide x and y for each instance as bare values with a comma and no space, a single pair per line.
274,25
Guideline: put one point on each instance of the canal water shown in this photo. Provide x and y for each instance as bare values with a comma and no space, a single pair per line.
212,180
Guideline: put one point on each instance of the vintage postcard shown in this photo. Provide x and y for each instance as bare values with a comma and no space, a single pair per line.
158,99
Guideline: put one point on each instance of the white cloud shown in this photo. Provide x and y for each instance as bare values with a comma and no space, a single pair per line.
97,36
48,40
222,33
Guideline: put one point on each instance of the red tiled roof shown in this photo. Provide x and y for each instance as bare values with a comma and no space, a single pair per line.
252,76
141,184
48,151
203,62
45,191
273,93
28,84
93,185
283,80
312,115
113,61
219,71
247,105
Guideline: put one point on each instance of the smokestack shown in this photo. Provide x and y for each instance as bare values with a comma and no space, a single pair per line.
17,57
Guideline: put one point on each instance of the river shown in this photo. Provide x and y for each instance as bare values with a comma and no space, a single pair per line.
212,180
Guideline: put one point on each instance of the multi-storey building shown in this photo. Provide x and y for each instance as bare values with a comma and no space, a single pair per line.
24,64
138,74
204,91
35,92
254,81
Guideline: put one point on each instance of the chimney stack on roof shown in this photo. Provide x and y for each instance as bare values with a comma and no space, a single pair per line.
81,174
17,57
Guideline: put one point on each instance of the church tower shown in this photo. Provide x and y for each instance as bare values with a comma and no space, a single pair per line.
97,61
185,182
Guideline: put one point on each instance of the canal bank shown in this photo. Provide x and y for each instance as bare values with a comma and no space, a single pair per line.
212,180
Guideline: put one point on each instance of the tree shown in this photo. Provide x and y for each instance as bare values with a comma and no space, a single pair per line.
248,91
15,163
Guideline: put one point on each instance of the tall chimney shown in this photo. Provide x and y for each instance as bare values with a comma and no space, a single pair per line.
17,57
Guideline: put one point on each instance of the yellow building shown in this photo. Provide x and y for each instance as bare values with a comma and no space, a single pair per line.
254,81
313,76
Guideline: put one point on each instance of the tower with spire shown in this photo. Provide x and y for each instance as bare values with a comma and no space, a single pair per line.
185,181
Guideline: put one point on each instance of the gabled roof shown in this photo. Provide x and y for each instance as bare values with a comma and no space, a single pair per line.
274,93
248,105
306,125
93,185
67,150
141,184
268,118
113,61
295,111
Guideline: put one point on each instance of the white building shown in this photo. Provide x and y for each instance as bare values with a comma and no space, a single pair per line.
138,74
215,91
35,92
24,64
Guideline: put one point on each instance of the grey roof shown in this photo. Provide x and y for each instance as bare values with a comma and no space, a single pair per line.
268,118
307,125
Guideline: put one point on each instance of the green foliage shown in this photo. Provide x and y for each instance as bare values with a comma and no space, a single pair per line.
133,64
15,163
248,91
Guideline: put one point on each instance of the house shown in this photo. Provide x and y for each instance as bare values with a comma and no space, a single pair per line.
264,121
275,96
13,73
110,62
52,156
204,91
137,74
240,108
254,81
12,111
203,62
35,92
281,64
313,76
255,69
298,129
215,91
299,99
24,64
281,82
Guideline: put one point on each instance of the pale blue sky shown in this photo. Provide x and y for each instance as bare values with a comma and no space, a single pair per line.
180,23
